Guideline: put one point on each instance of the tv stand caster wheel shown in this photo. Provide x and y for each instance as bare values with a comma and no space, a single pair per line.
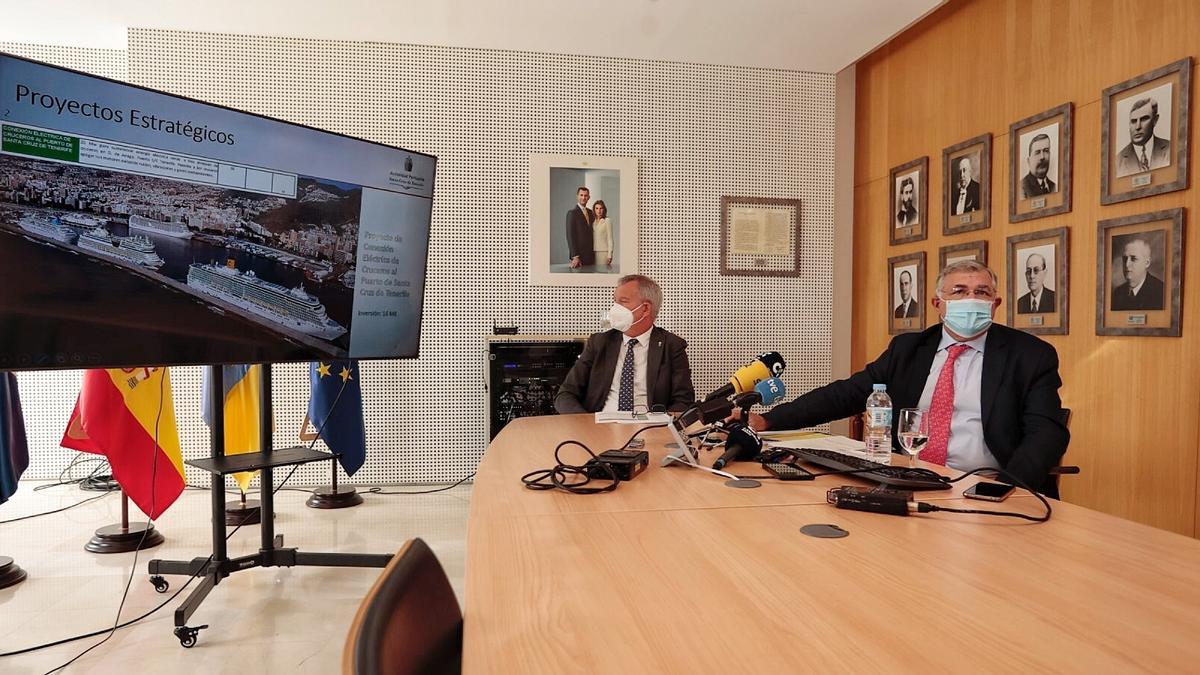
187,635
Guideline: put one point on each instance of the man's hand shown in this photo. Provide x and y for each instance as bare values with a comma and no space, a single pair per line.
576,262
756,422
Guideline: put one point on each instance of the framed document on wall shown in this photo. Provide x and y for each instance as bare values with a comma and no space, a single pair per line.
1039,164
906,296
760,236
908,217
1038,282
967,185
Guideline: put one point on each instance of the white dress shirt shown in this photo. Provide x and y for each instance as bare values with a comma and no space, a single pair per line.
967,449
641,345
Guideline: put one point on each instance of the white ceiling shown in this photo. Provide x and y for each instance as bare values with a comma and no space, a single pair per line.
811,35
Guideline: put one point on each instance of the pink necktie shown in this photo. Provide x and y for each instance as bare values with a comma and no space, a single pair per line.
941,409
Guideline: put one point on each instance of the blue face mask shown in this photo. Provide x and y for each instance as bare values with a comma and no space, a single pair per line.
968,318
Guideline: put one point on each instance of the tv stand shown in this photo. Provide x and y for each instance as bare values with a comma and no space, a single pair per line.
272,553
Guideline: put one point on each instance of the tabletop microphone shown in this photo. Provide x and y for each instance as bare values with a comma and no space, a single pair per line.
741,443
766,366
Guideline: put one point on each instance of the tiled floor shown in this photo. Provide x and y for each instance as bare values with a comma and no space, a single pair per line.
285,620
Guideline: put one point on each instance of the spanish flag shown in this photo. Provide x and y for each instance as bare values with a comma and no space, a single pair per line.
243,390
119,414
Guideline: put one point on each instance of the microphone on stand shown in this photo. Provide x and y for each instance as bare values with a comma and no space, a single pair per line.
741,443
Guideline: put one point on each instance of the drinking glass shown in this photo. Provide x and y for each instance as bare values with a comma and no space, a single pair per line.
913,432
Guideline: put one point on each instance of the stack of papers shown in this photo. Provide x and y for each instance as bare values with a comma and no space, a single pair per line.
816,440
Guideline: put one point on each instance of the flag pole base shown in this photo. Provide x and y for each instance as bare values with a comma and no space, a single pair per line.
10,573
340,497
120,539
243,512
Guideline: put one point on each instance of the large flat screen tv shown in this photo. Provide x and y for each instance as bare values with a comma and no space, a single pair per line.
141,228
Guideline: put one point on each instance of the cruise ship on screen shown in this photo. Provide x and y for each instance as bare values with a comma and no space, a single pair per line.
50,228
170,229
136,249
295,307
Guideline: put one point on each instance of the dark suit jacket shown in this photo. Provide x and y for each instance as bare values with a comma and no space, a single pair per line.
1022,422
1160,156
906,216
905,310
1150,295
579,236
972,203
1030,187
668,374
1046,306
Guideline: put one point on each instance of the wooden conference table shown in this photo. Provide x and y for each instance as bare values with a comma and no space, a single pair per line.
674,572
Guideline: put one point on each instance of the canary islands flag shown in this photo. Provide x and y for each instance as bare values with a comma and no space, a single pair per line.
14,451
243,389
128,415
335,409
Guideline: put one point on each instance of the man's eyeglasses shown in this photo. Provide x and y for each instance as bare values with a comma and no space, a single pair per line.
960,292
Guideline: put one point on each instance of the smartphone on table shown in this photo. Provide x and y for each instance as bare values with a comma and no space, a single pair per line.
992,492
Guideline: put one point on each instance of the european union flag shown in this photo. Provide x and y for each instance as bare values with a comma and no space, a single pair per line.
14,451
335,409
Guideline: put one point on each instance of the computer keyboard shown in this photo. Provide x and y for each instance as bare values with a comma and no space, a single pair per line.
893,476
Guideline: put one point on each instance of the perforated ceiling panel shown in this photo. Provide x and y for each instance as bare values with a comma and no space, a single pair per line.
698,132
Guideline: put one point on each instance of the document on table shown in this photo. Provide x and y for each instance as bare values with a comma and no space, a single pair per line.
815,440
625,417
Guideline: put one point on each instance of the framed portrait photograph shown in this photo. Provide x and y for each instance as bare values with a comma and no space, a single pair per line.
967,181
906,296
1038,282
1139,274
1144,134
909,217
760,236
971,250
583,216
1039,164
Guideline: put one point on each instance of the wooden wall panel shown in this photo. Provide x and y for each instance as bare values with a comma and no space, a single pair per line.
976,66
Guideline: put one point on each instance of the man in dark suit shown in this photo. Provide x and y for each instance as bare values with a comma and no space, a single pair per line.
1039,299
964,197
995,389
906,212
1037,182
907,308
1141,289
1145,151
635,366
579,230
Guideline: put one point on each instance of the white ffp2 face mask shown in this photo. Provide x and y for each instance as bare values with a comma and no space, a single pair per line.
620,317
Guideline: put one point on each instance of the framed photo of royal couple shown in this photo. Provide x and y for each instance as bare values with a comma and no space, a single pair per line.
908,217
967,184
1139,274
1040,164
906,298
1038,282
583,215
1144,134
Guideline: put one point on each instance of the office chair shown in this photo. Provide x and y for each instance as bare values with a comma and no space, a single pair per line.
409,622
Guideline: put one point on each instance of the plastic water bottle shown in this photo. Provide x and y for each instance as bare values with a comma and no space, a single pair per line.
878,431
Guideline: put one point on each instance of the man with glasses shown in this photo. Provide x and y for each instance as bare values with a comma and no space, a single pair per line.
635,366
1039,299
991,391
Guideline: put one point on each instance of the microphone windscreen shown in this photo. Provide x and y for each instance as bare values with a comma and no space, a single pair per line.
771,390
749,375
773,362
